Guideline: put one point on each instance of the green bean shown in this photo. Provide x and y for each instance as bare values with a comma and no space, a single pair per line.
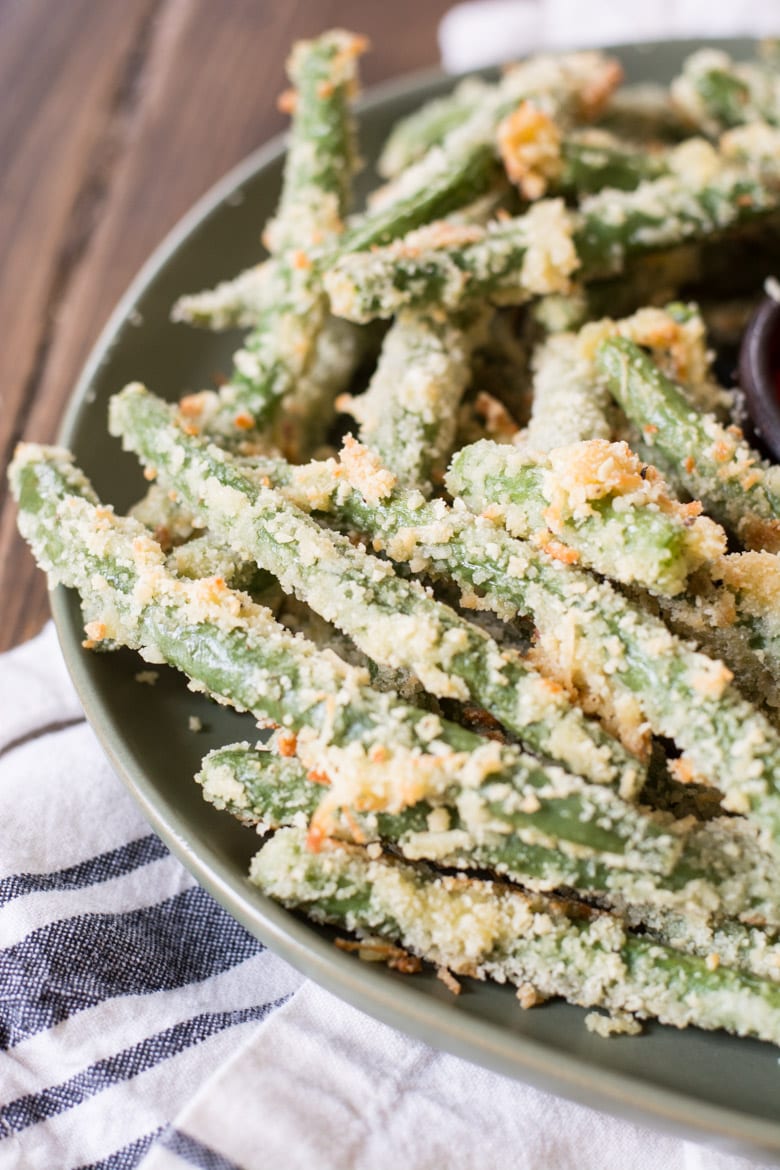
676,337
714,93
753,949
622,660
752,582
413,136
507,262
322,155
712,462
376,751
234,304
597,500
720,875
569,403
408,414
713,617
286,377
391,619
709,194
464,166
294,352
592,161
541,158
484,929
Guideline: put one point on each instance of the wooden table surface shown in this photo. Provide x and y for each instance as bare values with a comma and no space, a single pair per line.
115,117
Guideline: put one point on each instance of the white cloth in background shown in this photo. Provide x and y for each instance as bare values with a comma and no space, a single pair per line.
322,1085
483,32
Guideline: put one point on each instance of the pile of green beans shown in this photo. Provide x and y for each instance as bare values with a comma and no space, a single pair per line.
500,575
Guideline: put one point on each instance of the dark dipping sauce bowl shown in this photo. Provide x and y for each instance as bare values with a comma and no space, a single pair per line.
759,375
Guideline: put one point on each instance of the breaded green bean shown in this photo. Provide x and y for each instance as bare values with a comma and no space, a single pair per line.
753,949
720,875
598,501
488,930
708,194
286,376
413,136
322,154
676,337
569,404
541,157
442,265
390,618
234,304
408,414
295,352
714,92
752,580
711,462
623,661
464,166
376,752
707,615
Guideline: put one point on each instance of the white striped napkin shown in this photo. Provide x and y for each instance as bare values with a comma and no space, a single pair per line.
122,983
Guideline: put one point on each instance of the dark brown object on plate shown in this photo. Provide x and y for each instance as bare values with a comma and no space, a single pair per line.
121,114
759,376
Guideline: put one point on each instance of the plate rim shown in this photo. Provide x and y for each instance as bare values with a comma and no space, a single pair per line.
479,1041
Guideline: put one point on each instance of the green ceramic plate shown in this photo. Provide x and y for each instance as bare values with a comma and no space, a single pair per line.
709,1086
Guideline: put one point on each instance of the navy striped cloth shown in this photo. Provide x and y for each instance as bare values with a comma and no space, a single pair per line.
122,983
140,1026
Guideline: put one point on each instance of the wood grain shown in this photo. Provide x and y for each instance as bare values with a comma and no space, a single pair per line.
123,114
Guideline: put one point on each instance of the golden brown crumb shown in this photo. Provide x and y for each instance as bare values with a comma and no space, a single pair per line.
378,951
594,96
287,101
96,632
365,471
286,743
529,142
545,540
449,980
527,996
682,771
440,234
191,405
499,423
318,778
